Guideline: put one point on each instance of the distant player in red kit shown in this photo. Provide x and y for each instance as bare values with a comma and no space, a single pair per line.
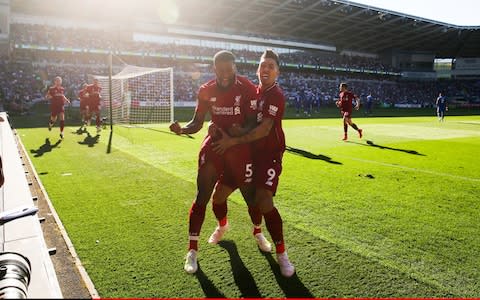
345,103
268,143
228,101
57,102
84,99
94,104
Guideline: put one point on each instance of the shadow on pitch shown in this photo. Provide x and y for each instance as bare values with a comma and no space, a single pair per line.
242,276
90,140
312,156
46,147
372,144
292,287
168,132
209,289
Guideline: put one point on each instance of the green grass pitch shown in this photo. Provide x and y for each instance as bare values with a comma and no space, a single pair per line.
395,214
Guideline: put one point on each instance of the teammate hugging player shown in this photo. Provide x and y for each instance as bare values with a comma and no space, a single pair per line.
94,104
345,103
57,102
268,143
84,99
228,100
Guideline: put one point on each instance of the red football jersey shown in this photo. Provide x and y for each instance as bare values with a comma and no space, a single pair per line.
57,94
230,106
346,99
94,92
271,104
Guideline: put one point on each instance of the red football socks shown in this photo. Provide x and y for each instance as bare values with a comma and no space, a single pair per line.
256,217
62,125
275,227
220,211
197,215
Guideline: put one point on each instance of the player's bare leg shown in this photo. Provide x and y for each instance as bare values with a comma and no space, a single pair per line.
248,193
354,126
98,121
206,179
62,124
219,205
274,224
53,119
345,129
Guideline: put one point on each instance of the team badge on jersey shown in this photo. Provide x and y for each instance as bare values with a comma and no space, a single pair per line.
253,104
213,99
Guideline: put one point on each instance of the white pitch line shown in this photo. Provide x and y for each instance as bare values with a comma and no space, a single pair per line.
411,169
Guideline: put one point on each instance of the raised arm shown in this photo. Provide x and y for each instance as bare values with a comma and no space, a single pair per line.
191,127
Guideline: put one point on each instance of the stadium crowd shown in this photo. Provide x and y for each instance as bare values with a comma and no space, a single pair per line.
43,35
27,73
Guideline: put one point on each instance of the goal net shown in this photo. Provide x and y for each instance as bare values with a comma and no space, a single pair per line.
139,95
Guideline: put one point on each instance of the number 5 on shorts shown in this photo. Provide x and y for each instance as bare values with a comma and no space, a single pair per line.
248,173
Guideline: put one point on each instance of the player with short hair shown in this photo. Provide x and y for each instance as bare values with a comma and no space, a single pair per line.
441,104
84,102
268,143
345,103
227,99
57,104
94,103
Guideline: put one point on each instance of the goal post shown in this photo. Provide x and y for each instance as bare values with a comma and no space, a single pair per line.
138,95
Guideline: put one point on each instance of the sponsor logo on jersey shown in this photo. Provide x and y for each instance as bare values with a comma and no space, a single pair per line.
272,109
223,111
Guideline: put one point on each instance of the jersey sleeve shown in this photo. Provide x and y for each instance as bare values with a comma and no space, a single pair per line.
274,106
203,105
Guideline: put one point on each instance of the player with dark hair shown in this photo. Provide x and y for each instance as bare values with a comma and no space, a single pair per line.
84,102
227,99
345,103
268,143
441,104
57,104
94,103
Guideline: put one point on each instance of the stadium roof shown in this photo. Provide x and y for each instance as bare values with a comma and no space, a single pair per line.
343,24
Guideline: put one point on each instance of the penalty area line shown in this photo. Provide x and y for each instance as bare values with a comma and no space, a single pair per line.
412,169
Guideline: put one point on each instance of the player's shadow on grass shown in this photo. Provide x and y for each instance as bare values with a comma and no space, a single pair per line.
81,130
310,155
242,276
209,289
90,140
168,132
372,144
292,287
46,147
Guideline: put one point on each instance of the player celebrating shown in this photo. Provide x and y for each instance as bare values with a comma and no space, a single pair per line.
84,99
345,103
268,142
441,104
227,99
57,102
94,105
